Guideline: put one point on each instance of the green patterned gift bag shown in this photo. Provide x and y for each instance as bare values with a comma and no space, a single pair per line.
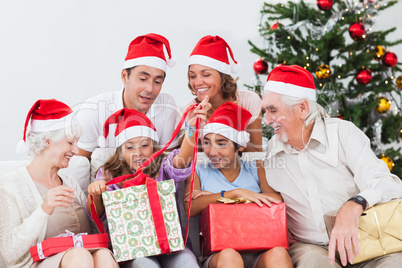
143,220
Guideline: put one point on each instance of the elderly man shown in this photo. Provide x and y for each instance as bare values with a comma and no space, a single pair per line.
319,165
143,75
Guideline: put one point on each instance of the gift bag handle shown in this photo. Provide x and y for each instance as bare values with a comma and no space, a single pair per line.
95,217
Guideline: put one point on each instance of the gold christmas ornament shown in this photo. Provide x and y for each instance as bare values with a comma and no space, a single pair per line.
388,161
399,82
323,71
383,106
379,51
400,133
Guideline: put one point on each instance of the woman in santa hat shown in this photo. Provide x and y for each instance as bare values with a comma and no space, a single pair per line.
37,202
209,74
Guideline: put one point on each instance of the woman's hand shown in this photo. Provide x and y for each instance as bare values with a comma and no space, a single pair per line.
97,188
199,112
60,196
257,198
196,194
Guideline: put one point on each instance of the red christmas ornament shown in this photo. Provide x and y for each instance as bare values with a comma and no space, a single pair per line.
389,59
325,4
357,31
363,76
275,26
260,66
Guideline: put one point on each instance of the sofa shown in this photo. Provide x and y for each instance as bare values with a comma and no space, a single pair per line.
83,170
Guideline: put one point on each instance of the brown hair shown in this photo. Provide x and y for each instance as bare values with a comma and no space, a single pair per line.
117,166
228,86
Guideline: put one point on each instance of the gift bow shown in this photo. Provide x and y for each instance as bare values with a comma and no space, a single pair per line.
77,239
139,178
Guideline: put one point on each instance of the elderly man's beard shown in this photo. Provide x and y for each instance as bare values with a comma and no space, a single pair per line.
284,138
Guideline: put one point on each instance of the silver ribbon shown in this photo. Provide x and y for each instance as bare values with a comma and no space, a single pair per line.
77,238
40,251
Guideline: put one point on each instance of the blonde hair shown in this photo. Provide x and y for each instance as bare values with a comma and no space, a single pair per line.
117,166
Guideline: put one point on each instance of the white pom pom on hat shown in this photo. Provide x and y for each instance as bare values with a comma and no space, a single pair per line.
212,51
44,116
171,62
22,147
148,50
230,120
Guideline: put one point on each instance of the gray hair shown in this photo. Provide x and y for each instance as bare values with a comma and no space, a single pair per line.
37,140
316,111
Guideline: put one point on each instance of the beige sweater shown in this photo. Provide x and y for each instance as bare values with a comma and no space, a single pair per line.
22,220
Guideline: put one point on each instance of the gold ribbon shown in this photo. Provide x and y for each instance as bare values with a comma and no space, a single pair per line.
379,231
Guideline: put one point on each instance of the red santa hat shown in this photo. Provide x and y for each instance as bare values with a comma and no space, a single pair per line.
229,120
126,124
211,51
291,80
45,116
148,50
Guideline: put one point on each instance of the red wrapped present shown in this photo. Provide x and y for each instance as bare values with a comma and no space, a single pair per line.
55,245
243,227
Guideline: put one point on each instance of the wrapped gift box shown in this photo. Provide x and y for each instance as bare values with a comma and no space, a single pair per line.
55,245
131,223
380,231
243,227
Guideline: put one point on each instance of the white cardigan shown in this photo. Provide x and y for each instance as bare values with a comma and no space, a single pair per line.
22,220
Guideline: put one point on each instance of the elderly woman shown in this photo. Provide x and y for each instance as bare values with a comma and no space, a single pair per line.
209,75
37,203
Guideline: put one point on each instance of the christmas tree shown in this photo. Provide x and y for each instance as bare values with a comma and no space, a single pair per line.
358,77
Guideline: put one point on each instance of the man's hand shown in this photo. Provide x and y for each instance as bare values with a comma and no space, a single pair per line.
344,235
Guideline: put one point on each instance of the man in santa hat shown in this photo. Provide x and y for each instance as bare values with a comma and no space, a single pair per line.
319,165
143,74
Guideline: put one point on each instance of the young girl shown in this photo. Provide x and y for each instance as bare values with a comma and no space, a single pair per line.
136,139
228,176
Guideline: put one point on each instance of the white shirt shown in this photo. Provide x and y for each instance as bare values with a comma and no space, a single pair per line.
336,164
93,113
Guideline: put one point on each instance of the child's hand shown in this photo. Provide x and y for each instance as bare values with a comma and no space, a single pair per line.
97,188
257,198
196,194
238,103
199,112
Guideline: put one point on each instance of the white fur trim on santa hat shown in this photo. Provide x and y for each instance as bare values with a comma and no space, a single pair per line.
239,137
291,90
210,62
136,131
155,62
53,124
